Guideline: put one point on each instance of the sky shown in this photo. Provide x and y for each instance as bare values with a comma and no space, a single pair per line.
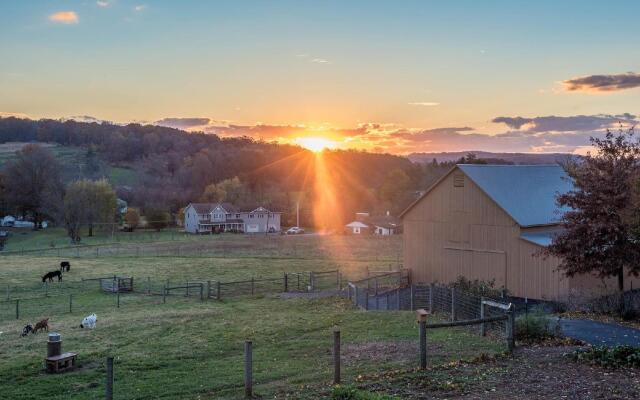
383,76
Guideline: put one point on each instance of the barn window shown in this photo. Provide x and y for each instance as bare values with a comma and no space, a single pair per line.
458,180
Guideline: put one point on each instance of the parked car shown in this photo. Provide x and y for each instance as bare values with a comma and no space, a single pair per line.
295,230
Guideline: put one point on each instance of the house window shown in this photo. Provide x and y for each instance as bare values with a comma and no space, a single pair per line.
238,216
261,216
356,230
250,215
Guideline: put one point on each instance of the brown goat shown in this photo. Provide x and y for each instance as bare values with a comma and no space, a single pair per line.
42,325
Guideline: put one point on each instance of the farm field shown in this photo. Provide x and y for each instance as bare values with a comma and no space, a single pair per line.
54,242
191,349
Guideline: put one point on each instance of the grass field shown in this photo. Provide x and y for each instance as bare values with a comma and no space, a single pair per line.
187,349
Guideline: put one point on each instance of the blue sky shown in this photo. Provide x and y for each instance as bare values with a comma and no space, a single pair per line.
396,76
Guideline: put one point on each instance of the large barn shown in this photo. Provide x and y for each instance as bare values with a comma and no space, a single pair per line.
491,222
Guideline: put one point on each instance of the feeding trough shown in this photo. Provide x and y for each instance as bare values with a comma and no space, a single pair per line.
117,284
56,360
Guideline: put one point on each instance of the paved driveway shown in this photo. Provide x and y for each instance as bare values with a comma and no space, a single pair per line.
600,333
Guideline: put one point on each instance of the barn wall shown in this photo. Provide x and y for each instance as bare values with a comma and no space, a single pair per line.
455,231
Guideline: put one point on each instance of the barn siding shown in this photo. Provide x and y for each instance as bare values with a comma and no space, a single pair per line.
459,231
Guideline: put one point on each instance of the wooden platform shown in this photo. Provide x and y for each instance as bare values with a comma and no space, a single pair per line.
61,363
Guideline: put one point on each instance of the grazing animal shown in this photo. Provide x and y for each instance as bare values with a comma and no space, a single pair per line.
51,275
42,325
65,265
89,321
26,330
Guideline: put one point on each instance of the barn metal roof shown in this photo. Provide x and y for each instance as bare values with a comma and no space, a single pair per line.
526,192
543,239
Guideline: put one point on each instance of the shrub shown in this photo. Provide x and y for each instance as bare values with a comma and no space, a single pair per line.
352,393
609,357
535,326
157,219
478,287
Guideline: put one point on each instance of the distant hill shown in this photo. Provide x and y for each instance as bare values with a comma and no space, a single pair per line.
516,158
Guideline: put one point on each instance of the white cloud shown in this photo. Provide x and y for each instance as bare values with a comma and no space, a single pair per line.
64,17
424,103
320,61
139,7
103,3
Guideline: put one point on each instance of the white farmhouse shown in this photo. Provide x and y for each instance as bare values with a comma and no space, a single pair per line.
225,217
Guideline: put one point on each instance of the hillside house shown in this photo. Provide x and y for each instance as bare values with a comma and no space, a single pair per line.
225,217
491,223
381,225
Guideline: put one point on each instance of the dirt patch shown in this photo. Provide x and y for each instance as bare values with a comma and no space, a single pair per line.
310,295
353,354
531,373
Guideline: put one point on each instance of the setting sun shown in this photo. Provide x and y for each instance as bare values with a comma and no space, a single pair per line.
316,144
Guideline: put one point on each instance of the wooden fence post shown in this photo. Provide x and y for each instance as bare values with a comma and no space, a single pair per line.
311,281
187,290
118,297
355,289
252,286
510,328
376,294
201,291
453,304
338,279
411,295
164,294
8,292
148,285
70,303
422,321
483,327
248,366
208,289
285,281
17,308
109,383
336,357
431,289
398,298
218,294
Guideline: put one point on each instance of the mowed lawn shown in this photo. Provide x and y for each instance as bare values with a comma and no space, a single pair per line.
188,349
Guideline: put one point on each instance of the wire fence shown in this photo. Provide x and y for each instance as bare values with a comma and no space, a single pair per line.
392,291
98,293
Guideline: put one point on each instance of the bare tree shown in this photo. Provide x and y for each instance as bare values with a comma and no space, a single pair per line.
33,183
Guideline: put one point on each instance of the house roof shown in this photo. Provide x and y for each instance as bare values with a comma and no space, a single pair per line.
384,221
526,192
203,208
228,207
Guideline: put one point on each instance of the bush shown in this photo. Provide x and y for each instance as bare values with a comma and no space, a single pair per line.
535,326
478,287
157,219
351,393
609,357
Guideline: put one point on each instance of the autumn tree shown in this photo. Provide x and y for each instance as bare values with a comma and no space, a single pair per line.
34,182
394,193
230,190
103,203
132,219
599,226
88,203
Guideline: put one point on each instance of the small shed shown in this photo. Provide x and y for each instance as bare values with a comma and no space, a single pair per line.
117,284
